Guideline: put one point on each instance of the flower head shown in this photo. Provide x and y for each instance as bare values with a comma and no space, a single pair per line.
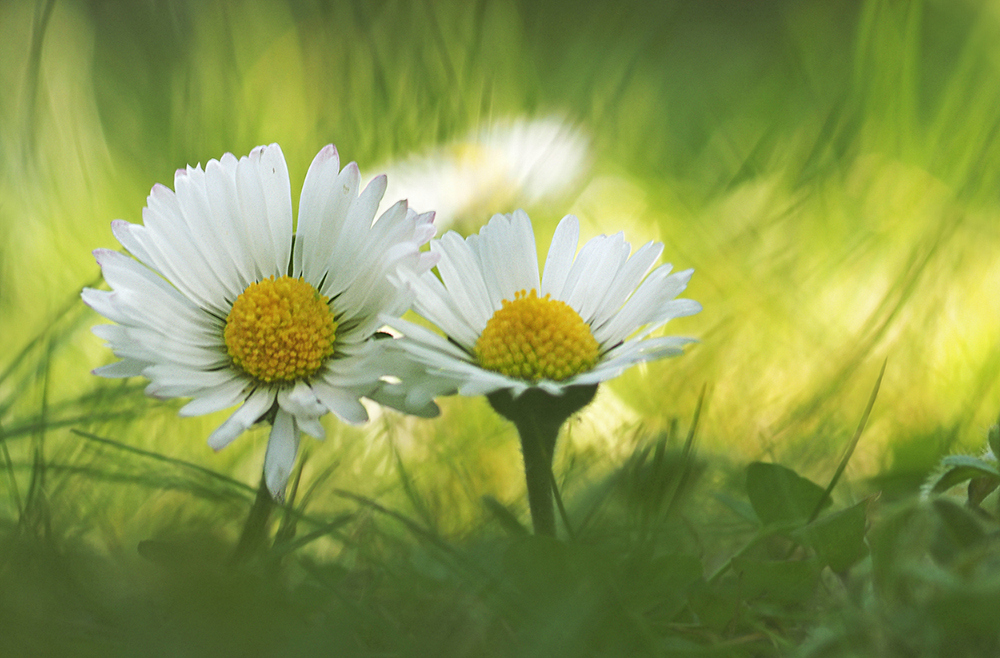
588,318
224,304
504,163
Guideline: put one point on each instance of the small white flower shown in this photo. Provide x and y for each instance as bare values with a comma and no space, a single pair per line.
224,305
585,321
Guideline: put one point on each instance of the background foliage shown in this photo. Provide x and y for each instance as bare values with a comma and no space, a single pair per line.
830,170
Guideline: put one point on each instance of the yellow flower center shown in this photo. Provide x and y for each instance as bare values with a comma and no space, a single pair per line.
532,339
280,330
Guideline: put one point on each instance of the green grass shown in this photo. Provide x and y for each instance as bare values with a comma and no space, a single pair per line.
831,171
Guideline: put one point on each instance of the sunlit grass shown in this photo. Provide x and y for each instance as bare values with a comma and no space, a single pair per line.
830,170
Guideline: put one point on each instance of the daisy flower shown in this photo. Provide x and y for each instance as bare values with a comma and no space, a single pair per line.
538,347
225,305
507,162
588,318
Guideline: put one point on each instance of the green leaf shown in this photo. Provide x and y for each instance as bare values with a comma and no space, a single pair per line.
715,604
980,488
838,538
741,507
780,495
993,439
959,468
670,577
780,581
959,529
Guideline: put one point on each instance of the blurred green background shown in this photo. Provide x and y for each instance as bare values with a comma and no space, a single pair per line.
829,168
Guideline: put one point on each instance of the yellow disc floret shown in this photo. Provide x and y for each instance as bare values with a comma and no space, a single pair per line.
280,330
534,338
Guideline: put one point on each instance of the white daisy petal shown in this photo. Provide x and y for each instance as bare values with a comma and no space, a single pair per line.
367,202
242,419
393,392
174,380
434,303
254,208
352,225
485,261
560,257
273,174
208,310
681,308
300,400
628,278
279,460
674,308
126,274
224,205
120,271
590,269
476,386
174,232
507,251
123,232
342,402
525,258
644,306
372,289
322,206
217,396
607,259
155,347
397,396
311,426
120,369
194,206
463,280
189,275
340,236
162,315
641,349
424,339
488,248
364,234
102,301
629,354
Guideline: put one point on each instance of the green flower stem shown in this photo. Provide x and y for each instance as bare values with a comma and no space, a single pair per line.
537,446
254,532
538,416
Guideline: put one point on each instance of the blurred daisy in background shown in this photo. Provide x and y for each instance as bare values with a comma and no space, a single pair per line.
507,164
224,305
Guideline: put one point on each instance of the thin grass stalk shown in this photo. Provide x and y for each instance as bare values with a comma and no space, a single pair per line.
850,447
255,527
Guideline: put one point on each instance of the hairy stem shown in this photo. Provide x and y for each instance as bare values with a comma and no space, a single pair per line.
538,416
